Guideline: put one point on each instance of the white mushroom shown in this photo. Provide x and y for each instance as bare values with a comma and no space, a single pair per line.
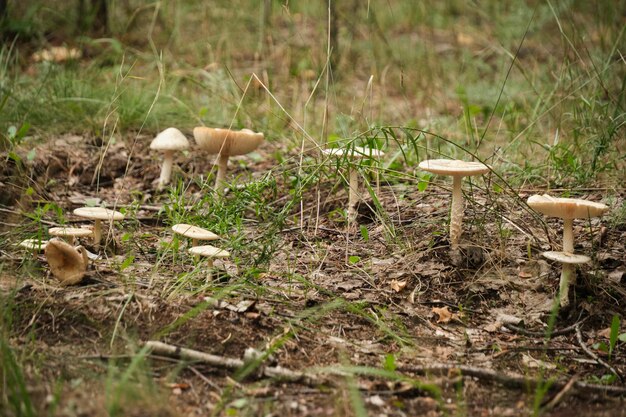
67,263
226,143
567,209
168,141
211,253
34,245
353,153
194,232
98,214
457,169
70,233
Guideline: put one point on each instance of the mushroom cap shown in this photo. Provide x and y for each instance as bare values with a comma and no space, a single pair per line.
194,232
171,139
354,152
454,167
66,262
70,231
98,213
227,142
566,257
566,208
33,244
209,251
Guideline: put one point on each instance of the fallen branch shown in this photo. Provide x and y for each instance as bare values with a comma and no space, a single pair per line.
581,342
279,372
509,380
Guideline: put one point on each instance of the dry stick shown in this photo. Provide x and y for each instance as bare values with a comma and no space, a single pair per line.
522,331
579,337
229,363
514,381
561,394
508,380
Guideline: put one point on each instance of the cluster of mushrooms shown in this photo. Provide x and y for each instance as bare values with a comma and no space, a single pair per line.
69,263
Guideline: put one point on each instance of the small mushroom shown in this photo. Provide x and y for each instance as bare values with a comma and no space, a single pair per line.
210,252
67,263
194,232
69,234
34,245
98,214
353,153
457,169
168,141
567,209
226,143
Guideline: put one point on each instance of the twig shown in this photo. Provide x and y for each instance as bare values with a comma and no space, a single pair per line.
508,380
579,337
520,330
561,394
229,363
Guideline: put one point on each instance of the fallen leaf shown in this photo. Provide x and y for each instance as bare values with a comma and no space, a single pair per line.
444,314
606,333
397,285
531,362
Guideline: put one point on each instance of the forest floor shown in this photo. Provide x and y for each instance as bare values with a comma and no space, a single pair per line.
386,310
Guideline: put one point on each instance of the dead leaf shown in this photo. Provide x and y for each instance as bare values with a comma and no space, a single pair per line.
397,285
444,314
531,362
605,333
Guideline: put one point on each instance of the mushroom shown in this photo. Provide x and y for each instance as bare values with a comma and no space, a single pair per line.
567,209
98,214
210,252
355,152
457,169
194,232
67,263
226,143
168,141
34,245
70,233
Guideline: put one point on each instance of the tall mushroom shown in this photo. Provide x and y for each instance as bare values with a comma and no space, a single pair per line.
209,252
457,169
168,142
67,263
98,214
352,154
567,209
226,143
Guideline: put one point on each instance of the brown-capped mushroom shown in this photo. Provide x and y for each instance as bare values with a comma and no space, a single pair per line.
98,214
457,169
67,263
169,141
209,252
351,154
225,143
70,234
567,209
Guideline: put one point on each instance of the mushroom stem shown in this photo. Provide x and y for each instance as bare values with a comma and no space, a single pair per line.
353,193
222,165
568,235
568,271
194,242
209,276
456,212
97,233
166,169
